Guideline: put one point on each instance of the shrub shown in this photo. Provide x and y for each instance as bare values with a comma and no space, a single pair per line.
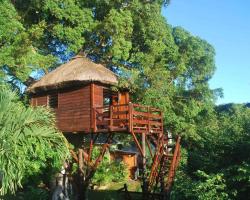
109,171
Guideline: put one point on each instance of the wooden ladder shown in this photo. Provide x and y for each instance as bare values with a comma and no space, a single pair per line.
164,166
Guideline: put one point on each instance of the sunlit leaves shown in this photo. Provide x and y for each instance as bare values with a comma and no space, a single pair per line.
28,141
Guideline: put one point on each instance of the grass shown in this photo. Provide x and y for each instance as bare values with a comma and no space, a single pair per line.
111,191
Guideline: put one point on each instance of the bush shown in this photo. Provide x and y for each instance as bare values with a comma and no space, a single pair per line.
109,171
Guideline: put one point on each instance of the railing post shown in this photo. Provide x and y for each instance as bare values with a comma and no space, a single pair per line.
130,111
148,119
94,119
162,126
111,118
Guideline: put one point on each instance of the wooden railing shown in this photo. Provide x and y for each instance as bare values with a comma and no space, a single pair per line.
174,164
146,119
127,117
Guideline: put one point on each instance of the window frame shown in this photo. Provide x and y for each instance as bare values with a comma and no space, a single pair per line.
53,101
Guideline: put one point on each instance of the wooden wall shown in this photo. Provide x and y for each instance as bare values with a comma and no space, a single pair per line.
40,100
74,110
97,95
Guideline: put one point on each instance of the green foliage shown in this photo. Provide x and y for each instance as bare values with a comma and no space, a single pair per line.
163,66
212,187
203,187
28,142
222,153
109,171
29,193
18,56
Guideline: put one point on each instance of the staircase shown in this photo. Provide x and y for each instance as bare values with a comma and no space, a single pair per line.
165,163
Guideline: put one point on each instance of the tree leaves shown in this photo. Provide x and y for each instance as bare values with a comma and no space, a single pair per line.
163,66
28,142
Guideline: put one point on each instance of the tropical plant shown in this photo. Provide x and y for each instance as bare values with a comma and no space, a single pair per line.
29,142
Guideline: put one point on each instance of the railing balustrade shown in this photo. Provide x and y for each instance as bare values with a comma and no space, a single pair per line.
127,117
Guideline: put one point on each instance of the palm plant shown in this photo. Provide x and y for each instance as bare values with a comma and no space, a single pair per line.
29,141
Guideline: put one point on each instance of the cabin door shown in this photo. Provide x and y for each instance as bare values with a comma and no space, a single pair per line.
121,100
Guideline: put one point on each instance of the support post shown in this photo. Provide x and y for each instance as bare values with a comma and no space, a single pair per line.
111,118
90,148
81,177
130,112
144,177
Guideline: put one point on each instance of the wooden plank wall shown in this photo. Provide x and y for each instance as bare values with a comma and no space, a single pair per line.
74,106
39,100
124,98
74,112
97,95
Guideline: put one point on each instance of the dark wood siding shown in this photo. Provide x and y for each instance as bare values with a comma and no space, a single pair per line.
74,113
97,95
39,100
74,108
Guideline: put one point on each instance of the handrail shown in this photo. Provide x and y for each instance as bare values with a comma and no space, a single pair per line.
148,108
131,110
143,106
118,105
174,164
139,116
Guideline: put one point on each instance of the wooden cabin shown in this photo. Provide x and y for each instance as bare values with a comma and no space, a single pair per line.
73,89
80,94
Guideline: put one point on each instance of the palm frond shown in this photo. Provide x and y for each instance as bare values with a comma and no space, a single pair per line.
28,141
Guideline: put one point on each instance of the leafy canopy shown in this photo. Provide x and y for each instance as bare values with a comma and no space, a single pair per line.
162,66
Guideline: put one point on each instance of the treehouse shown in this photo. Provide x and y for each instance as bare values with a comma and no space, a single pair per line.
73,90
81,94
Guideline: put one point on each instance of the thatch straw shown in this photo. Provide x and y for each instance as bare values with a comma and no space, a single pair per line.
78,70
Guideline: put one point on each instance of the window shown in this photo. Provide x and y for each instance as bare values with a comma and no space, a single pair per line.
106,101
53,101
106,97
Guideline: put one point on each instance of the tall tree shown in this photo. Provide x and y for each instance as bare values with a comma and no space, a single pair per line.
163,66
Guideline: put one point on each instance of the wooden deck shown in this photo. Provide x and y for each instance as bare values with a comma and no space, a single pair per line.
127,118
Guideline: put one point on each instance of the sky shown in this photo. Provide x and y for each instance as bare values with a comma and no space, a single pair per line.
226,25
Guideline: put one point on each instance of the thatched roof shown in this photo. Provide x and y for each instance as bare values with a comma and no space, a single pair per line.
78,70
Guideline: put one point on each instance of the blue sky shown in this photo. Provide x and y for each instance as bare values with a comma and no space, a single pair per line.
226,25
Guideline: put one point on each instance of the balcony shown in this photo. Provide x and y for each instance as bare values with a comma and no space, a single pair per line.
130,117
